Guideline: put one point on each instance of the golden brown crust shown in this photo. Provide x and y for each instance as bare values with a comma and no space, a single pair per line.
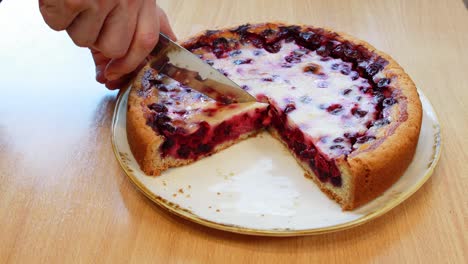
370,169
141,138
379,165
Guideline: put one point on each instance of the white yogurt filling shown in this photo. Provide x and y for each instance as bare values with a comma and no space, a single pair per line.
328,96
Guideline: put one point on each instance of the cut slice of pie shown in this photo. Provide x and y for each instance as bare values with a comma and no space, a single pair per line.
348,113
171,125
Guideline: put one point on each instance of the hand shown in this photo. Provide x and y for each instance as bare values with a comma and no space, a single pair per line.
120,33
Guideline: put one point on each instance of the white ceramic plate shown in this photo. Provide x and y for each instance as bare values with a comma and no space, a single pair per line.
256,187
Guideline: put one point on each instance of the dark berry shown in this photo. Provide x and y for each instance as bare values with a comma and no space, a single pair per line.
381,122
242,61
323,176
158,107
184,151
267,32
378,97
273,48
211,32
162,88
373,69
312,162
388,102
350,52
307,154
364,89
305,99
358,112
322,106
290,30
292,58
345,69
322,84
335,66
336,181
383,82
166,127
325,50
162,118
223,72
306,36
298,146
289,108
202,129
203,148
316,40
334,171
256,41
347,91
338,51
209,62
338,140
289,39
364,139
336,147
257,52
220,46
168,143
235,53
335,109
241,30
321,163
155,82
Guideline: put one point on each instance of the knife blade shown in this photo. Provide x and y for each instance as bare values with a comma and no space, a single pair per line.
171,59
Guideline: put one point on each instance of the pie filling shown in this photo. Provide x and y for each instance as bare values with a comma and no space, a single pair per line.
326,97
193,124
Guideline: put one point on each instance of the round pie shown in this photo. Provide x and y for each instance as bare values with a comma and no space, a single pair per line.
348,113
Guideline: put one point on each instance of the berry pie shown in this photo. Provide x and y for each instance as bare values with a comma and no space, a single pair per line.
348,113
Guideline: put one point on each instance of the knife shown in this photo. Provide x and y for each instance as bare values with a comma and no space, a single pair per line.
171,59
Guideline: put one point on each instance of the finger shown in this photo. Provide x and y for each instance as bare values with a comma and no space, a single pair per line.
98,57
117,32
124,80
60,14
85,28
100,77
100,61
119,83
164,25
145,38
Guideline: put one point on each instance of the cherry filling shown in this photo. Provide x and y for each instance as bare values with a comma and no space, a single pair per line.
325,168
184,145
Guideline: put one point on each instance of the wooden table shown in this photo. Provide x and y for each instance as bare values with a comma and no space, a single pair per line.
64,198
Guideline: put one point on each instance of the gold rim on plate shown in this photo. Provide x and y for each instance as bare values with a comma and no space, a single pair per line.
186,214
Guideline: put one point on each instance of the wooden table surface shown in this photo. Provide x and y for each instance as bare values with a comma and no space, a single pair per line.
64,198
